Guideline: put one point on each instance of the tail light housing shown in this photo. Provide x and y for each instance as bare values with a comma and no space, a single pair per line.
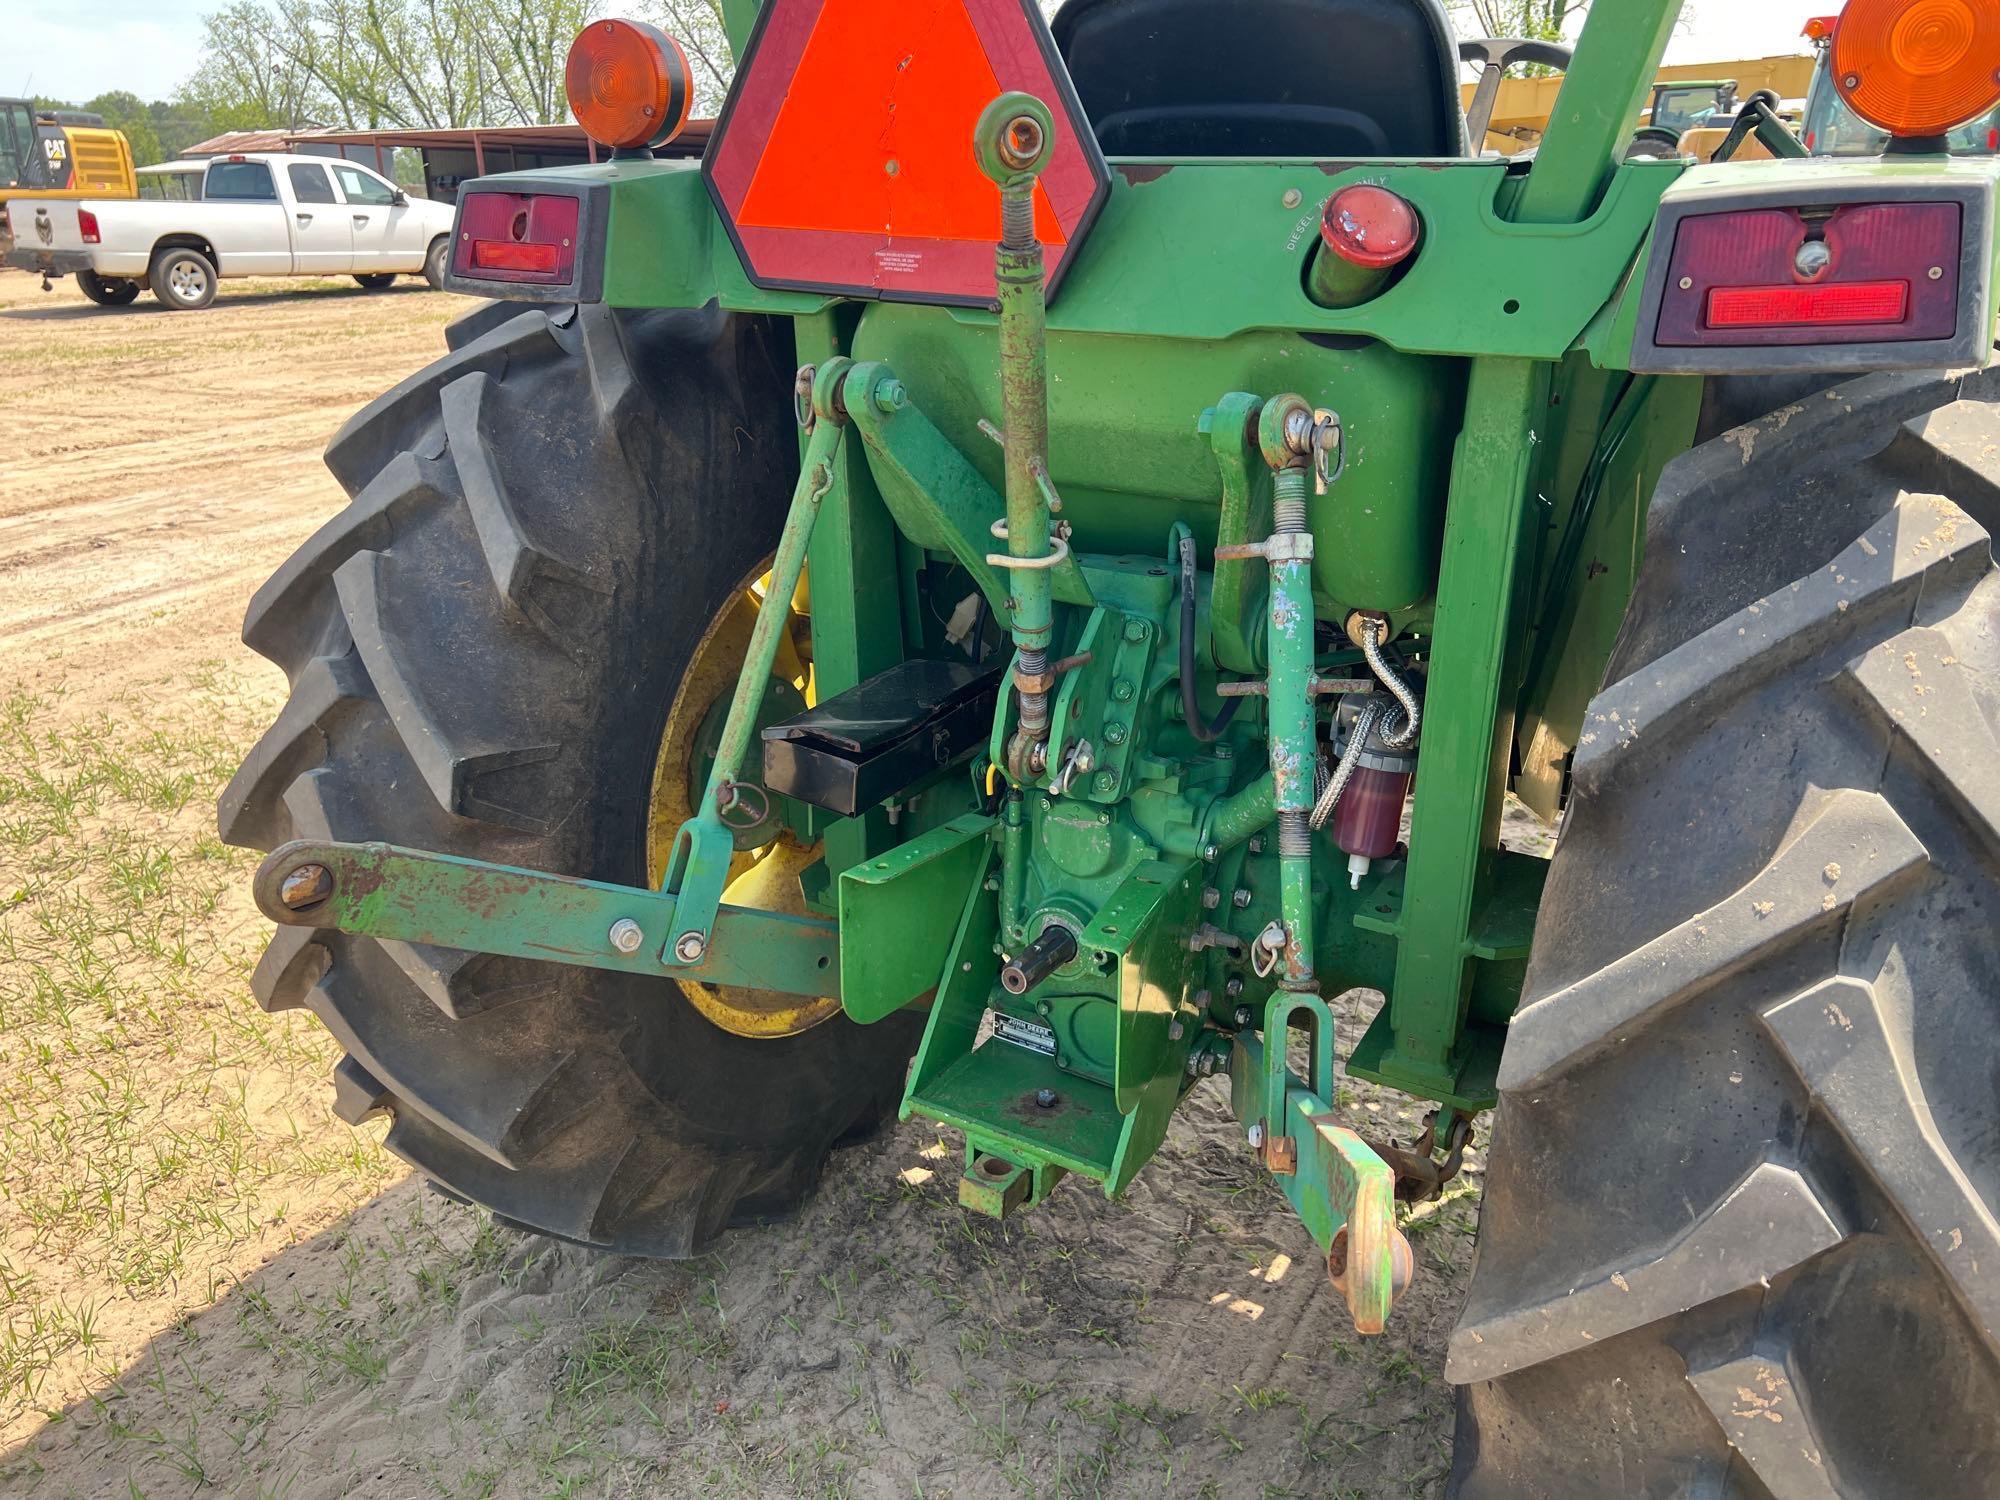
86,225
1792,275
1884,272
1918,68
525,238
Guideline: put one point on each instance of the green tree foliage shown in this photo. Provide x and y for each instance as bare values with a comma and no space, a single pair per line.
129,113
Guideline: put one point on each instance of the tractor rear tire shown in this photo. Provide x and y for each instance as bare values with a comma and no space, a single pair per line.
482,649
107,291
1739,1234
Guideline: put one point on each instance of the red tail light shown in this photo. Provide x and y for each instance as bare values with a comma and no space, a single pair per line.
86,224
1860,273
524,237
1794,306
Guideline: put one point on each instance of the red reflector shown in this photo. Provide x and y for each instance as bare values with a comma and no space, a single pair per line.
86,223
524,237
505,255
1791,306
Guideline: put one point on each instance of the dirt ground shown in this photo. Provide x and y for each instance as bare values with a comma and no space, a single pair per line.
207,1283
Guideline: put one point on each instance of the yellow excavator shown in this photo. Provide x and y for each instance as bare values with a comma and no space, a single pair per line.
60,153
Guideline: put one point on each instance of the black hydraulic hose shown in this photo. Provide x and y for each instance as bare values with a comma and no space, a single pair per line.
1210,731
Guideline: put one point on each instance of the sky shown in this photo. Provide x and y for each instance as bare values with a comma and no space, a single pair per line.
81,48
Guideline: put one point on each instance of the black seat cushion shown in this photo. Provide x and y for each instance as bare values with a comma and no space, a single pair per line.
1329,79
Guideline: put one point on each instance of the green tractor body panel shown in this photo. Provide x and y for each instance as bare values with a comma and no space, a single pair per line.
1493,452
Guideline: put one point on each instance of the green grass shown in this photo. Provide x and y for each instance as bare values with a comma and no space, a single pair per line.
152,1119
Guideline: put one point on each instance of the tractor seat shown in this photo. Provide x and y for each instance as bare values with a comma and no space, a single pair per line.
1327,79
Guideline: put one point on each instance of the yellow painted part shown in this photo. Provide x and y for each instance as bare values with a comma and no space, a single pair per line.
1521,112
1702,145
102,162
766,879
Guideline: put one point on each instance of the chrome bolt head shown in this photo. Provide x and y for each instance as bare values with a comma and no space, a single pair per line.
689,947
627,935
1240,898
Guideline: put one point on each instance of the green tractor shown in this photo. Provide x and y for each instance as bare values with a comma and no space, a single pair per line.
1040,560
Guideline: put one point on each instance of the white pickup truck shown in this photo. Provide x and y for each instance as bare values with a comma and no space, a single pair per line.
257,214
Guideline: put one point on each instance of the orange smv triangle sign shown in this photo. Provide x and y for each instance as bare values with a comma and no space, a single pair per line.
875,134
844,158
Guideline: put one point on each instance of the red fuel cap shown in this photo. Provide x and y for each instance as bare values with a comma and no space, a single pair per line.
1370,226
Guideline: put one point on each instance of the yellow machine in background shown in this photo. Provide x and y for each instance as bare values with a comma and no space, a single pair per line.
63,153
1521,112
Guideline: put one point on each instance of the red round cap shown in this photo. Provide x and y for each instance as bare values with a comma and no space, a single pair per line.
1370,226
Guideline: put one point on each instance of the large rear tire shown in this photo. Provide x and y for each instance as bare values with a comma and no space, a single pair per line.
1739,1232
483,648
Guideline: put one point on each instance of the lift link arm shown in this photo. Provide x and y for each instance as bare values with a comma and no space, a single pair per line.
705,845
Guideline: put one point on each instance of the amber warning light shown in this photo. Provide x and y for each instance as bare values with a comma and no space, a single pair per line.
629,85
1918,68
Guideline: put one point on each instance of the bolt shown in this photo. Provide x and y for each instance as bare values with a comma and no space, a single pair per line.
1046,1098
1210,899
1175,1030
891,397
1257,844
1242,1017
1084,759
627,935
1687,283
1210,854
1936,273
1107,781
305,887
689,947
1293,197
1135,630
1114,733
1224,752
1121,690
1257,1135
1233,988
1241,898
1852,81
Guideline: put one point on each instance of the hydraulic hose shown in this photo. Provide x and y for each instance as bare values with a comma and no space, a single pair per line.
1398,734
1329,797
1205,731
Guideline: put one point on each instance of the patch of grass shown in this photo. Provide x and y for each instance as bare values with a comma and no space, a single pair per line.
153,1121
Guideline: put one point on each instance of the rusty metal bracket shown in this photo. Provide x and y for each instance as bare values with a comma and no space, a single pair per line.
1344,1192
411,896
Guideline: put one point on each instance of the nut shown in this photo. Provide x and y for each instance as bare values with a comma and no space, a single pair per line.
689,947
1210,899
1240,899
627,935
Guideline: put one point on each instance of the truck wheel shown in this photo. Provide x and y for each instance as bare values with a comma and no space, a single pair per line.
437,260
106,291
375,281
182,279
485,649
1739,1230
